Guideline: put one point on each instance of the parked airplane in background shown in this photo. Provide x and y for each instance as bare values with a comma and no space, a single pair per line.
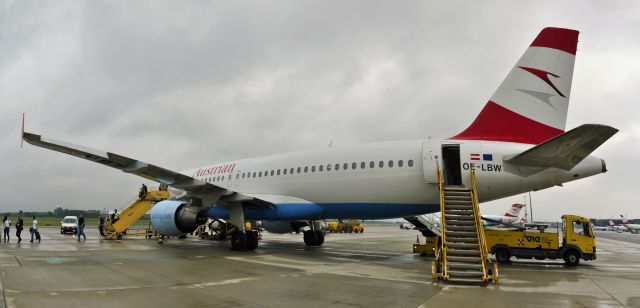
599,228
516,144
512,216
633,228
615,227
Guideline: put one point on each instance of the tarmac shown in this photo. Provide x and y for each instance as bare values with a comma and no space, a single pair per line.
373,269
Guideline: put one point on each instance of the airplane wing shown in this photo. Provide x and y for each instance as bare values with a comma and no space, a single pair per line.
564,151
145,170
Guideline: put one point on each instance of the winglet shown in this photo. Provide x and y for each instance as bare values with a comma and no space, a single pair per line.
22,134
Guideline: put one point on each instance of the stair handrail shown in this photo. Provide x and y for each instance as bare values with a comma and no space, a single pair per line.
482,244
443,246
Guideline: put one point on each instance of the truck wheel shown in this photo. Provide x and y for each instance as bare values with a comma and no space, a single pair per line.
571,257
503,255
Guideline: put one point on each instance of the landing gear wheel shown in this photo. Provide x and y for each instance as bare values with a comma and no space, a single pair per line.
319,238
239,241
571,258
252,240
310,238
503,255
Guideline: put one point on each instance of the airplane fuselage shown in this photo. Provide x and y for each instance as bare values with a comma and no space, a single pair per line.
379,180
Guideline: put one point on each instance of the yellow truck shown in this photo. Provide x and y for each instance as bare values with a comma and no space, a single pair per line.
577,242
346,226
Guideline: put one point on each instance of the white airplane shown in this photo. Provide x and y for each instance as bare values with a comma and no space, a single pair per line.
615,227
517,144
633,228
599,228
512,216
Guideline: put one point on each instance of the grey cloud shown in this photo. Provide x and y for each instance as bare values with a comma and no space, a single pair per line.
186,84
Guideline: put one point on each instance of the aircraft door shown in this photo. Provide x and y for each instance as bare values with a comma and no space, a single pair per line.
431,150
451,168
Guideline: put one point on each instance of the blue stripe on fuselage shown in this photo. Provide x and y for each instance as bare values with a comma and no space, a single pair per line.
307,211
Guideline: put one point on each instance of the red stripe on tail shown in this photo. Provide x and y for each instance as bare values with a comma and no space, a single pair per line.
496,123
557,38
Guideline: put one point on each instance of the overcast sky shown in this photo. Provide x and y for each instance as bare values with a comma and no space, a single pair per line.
183,84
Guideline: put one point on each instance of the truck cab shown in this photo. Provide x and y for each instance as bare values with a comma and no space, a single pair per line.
577,235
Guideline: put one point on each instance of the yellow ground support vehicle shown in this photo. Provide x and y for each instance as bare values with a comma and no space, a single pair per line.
578,242
428,248
345,226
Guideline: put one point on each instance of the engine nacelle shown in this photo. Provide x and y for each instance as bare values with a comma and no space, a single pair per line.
174,217
283,226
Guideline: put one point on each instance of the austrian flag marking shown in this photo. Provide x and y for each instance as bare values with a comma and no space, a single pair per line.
475,156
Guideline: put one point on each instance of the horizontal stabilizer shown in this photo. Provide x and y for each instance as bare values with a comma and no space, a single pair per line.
566,150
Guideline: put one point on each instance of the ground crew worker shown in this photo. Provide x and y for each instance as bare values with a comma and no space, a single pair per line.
19,226
6,224
101,226
81,228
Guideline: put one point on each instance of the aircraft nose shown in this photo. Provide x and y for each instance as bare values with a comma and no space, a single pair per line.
604,165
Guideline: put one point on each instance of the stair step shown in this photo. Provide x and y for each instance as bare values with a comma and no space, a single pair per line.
468,234
459,217
465,259
465,212
457,207
460,228
460,223
464,266
463,245
465,274
463,252
471,239
455,188
455,197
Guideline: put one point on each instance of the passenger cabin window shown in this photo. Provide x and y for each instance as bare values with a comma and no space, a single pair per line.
260,174
320,168
400,163
313,168
410,163
284,171
372,164
362,165
278,172
329,167
254,174
306,169
291,171
337,167
390,163
271,172
381,164
299,169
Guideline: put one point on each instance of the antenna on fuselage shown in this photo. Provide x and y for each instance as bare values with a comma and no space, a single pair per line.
22,134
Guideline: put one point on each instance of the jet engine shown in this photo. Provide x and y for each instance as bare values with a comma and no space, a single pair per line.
175,217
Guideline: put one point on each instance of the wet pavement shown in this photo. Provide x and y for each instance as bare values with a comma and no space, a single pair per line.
374,269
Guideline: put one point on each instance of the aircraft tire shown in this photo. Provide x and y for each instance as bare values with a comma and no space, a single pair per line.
310,238
252,240
319,238
239,241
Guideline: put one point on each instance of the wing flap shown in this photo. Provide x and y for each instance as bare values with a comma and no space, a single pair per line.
564,151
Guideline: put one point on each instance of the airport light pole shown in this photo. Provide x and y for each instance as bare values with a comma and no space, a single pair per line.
530,206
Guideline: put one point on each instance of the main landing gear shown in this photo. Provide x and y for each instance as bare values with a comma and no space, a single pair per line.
241,241
313,237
